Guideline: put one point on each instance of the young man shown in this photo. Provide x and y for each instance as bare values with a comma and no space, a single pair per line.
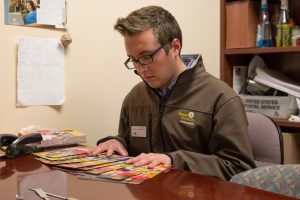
178,115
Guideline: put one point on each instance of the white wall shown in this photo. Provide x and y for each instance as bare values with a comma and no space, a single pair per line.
96,79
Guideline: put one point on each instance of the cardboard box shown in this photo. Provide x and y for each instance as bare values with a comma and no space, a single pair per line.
242,18
280,107
291,148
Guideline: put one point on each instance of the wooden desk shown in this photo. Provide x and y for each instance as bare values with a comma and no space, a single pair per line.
16,175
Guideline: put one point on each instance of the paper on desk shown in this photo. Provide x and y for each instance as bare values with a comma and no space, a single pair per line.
40,73
259,71
52,12
277,80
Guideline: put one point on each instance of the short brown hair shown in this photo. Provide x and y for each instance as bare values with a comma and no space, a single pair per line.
164,25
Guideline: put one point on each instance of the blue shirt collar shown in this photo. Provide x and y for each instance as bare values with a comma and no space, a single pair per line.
190,63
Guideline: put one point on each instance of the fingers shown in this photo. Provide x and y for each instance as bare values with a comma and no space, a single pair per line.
151,159
109,146
141,160
135,159
153,164
99,149
109,152
96,150
122,151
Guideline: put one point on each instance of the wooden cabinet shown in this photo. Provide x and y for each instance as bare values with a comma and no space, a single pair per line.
283,59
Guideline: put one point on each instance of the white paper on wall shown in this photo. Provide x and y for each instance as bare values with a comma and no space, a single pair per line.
40,72
52,12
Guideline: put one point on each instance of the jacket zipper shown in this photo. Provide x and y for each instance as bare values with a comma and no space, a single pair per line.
162,104
150,131
161,110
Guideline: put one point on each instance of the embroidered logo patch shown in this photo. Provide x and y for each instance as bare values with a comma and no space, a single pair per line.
187,118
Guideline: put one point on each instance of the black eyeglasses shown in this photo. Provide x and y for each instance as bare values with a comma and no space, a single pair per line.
143,60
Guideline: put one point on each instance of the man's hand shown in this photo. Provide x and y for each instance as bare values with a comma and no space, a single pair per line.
150,159
110,146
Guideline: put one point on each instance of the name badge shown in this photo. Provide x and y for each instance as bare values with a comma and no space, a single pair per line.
138,131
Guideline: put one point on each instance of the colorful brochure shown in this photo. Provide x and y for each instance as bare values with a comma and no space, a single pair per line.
76,160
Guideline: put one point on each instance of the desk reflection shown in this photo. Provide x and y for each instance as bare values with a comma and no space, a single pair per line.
21,173
182,185
9,166
55,182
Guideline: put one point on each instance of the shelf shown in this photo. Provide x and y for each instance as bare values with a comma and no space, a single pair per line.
270,50
283,122
282,59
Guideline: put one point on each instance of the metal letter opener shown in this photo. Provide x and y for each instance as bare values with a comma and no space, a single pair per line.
41,193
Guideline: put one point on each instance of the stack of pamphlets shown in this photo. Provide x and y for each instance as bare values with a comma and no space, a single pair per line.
114,169
53,137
